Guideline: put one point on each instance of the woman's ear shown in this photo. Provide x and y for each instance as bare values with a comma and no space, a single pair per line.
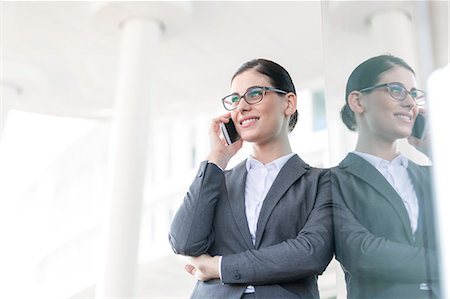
291,103
354,102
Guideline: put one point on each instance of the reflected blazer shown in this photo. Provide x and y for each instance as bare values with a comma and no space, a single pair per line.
294,237
380,256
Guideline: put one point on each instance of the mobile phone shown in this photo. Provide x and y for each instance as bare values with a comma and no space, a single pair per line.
229,132
419,127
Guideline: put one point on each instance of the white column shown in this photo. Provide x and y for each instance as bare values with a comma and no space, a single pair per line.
8,93
393,33
139,39
439,22
439,106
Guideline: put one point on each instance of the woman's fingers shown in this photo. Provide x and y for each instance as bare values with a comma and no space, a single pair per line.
237,145
190,269
215,125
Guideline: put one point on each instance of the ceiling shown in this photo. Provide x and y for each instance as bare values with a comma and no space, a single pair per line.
58,59
65,65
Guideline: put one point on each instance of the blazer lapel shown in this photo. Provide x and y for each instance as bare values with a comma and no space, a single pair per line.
423,199
365,171
236,198
289,173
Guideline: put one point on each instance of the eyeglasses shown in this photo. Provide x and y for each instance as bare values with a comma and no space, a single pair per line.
399,92
252,96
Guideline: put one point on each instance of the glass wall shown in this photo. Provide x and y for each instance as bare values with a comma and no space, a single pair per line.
386,238
56,140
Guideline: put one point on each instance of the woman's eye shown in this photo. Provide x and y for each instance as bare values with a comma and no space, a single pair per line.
235,99
397,89
255,93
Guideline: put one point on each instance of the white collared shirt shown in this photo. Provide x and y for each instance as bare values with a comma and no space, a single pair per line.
396,173
260,178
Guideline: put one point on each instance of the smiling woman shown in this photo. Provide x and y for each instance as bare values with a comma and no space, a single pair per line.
382,201
263,228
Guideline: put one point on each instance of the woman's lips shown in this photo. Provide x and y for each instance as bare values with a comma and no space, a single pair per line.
248,121
404,116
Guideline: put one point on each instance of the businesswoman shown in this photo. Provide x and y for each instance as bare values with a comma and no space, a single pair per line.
262,229
382,201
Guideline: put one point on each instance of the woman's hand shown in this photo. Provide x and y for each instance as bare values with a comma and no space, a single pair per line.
204,267
221,153
421,145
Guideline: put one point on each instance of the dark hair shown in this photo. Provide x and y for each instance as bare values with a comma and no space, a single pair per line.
278,77
366,75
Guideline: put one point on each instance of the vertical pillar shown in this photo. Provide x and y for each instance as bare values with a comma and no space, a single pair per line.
438,92
8,93
139,38
393,32
438,16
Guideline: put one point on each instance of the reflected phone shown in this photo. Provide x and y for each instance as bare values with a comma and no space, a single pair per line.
229,132
419,127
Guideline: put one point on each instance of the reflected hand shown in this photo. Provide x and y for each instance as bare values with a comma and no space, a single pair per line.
204,267
421,145
221,153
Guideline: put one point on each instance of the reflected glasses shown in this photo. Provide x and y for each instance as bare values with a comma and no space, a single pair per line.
399,92
252,96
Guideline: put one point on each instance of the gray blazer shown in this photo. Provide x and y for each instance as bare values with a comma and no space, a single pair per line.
294,238
380,256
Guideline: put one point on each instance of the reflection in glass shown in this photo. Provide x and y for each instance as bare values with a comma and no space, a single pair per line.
383,208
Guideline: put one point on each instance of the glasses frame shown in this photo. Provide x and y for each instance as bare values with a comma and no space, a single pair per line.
418,102
264,88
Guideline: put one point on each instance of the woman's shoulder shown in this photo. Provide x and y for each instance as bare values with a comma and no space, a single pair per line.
308,170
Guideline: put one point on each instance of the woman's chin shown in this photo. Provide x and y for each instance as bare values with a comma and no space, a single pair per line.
249,137
403,134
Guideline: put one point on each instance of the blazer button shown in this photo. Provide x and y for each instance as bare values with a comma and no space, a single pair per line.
237,276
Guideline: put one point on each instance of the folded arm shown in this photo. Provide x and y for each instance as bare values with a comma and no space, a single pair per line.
362,253
191,229
305,255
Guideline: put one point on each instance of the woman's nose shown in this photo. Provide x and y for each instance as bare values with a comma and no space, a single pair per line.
243,105
409,102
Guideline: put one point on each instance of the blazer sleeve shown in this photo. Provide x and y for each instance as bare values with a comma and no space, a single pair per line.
362,253
191,229
305,255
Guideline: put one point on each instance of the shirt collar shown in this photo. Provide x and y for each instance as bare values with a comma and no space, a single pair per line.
277,164
399,160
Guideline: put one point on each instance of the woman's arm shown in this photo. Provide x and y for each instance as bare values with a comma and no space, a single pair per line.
362,253
307,254
191,229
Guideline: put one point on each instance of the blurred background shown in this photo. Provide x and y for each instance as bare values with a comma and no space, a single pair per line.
105,108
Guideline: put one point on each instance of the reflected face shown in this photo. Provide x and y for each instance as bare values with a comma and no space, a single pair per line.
384,116
261,122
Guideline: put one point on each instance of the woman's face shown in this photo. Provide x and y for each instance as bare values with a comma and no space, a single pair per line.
385,117
262,122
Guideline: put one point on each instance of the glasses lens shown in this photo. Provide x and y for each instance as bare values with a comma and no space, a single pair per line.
230,102
419,96
254,95
398,92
